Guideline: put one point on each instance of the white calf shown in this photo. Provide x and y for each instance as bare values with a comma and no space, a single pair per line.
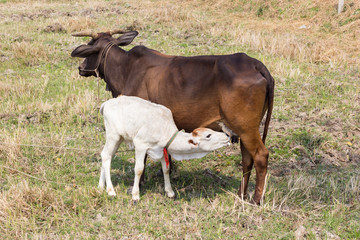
150,127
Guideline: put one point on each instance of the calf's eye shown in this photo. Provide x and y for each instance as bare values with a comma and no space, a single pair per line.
208,136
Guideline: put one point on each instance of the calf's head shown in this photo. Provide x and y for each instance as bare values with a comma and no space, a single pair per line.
207,140
93,51
197,144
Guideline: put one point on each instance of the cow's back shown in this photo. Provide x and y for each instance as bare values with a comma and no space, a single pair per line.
193,87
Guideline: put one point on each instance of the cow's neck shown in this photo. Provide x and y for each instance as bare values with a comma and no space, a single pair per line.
113,71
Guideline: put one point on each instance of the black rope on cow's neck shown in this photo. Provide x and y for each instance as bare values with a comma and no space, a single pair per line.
104,53
98,99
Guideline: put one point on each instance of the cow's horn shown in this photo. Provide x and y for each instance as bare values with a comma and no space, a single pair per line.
85,34
118,31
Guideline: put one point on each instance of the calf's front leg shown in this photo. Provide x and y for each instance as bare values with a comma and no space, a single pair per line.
168,189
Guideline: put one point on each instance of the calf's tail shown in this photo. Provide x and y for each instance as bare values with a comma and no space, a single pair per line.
102,108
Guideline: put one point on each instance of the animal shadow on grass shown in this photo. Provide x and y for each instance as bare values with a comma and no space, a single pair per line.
186,183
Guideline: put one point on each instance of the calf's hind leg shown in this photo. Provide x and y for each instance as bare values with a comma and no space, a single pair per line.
111,145
139,169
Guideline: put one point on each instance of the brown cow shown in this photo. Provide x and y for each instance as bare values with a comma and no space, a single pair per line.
227,92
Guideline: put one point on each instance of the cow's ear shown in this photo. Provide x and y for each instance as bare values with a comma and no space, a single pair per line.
84,51
126,38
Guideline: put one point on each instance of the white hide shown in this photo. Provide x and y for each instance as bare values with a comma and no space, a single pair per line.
148,127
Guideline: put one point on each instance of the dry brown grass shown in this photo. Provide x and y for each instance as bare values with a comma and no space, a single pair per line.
22,202
11,153
77,24
330,40
277,30
285,37
30,53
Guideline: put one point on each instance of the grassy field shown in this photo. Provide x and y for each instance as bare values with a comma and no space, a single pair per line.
51,133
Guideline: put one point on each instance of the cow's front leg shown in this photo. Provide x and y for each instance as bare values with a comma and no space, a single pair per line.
170,193
139,168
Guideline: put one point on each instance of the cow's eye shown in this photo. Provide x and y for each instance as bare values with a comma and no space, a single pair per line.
208,136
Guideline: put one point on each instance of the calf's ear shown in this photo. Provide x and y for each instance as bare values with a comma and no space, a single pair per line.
83,51
126,38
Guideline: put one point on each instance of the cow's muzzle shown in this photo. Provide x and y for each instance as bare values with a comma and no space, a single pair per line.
86,73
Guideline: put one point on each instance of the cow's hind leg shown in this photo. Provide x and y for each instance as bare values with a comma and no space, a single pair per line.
247,165
258,152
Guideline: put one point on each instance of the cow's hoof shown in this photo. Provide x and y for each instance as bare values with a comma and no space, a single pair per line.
135,202
257,203
234,139
243,197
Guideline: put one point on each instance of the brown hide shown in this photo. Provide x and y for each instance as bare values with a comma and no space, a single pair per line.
200,91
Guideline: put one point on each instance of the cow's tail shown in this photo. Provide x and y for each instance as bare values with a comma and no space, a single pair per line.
270,100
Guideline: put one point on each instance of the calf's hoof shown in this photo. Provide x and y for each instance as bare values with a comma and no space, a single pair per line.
135,197
170,194
111,192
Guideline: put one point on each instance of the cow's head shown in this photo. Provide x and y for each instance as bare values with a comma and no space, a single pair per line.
94,51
